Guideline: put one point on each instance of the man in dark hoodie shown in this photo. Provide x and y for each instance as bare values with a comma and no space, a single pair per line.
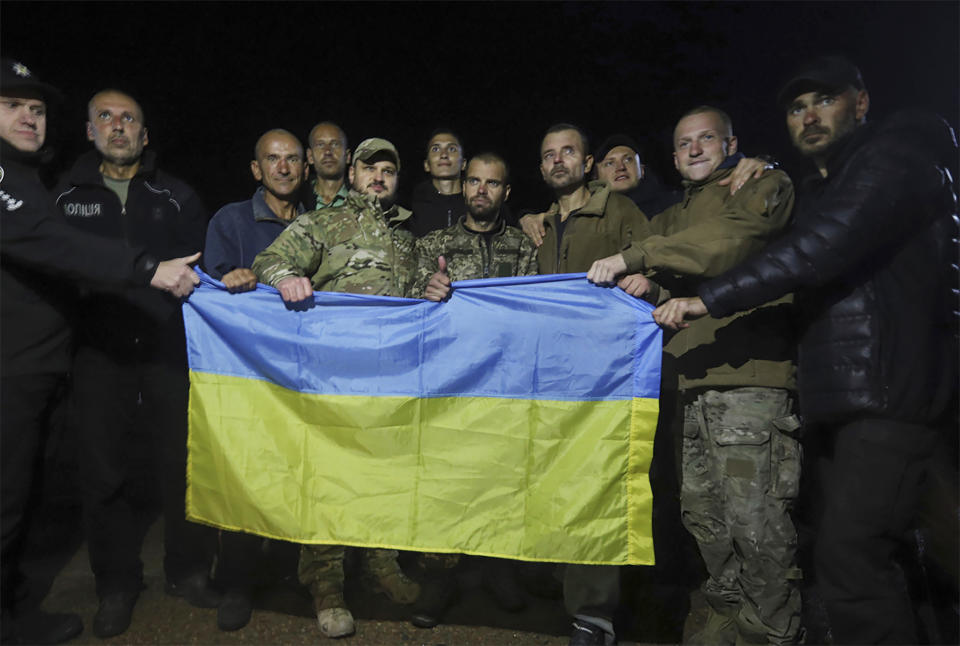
438,202
130,372
871,257
40,256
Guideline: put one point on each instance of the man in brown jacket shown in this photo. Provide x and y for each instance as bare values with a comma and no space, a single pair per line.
740,458
587,222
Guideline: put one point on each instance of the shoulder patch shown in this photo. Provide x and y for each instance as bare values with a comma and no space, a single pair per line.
10,203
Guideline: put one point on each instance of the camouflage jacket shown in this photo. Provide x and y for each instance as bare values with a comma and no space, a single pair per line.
508,252
356,248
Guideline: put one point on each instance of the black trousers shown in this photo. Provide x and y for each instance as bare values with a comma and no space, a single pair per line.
871,474
25,406
131,417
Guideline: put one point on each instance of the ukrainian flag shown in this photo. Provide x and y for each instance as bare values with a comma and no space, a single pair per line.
515,420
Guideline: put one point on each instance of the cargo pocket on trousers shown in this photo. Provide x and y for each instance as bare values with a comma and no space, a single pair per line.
786,458
694,448
743,462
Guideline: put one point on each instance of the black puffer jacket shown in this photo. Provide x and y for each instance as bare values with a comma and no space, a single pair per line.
869,257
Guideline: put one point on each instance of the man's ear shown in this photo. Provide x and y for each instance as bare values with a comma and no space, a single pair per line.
145,136
350,174
587,164
426,166
255,169
310,156
731,145
862,105
506,193
89,131
676,162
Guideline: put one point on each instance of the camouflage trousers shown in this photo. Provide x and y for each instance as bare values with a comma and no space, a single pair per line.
741,474
321,570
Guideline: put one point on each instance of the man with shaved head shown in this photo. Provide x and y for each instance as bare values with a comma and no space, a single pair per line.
241,230
129,372
327,152
237,233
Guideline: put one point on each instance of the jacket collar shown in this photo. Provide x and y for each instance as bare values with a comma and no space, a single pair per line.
844,149
262,212
30,159
596,203
394,215
501,226
86,170
725,168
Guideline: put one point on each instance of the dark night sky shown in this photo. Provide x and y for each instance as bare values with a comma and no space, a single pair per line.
213,76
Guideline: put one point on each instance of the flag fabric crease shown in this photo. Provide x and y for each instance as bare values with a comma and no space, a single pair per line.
514,420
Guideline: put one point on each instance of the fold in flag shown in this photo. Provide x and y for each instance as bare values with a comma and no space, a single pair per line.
515,420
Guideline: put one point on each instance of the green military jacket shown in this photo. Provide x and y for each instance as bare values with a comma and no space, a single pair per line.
702,236
604,226
356,248
508,252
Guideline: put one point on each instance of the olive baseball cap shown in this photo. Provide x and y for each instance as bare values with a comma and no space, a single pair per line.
367,148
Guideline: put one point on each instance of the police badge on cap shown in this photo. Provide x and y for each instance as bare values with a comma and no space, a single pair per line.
14,75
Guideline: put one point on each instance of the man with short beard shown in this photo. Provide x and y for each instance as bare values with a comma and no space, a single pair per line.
327,152
130,379
588,221
360,247
480,244
871,256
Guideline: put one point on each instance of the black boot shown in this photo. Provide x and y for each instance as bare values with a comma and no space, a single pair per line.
500,582
114,614
437,593
235,609
38,627
196,589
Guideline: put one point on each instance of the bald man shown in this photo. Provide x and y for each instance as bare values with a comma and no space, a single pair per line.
130,380
237,233
241,230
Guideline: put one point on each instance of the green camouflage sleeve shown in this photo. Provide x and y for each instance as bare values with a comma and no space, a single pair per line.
297,251
528,258
427,251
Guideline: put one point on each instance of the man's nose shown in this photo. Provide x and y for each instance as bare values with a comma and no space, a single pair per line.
810,116
482,188
282,166
117,123
695,148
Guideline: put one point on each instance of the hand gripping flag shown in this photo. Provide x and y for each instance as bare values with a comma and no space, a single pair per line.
515,420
